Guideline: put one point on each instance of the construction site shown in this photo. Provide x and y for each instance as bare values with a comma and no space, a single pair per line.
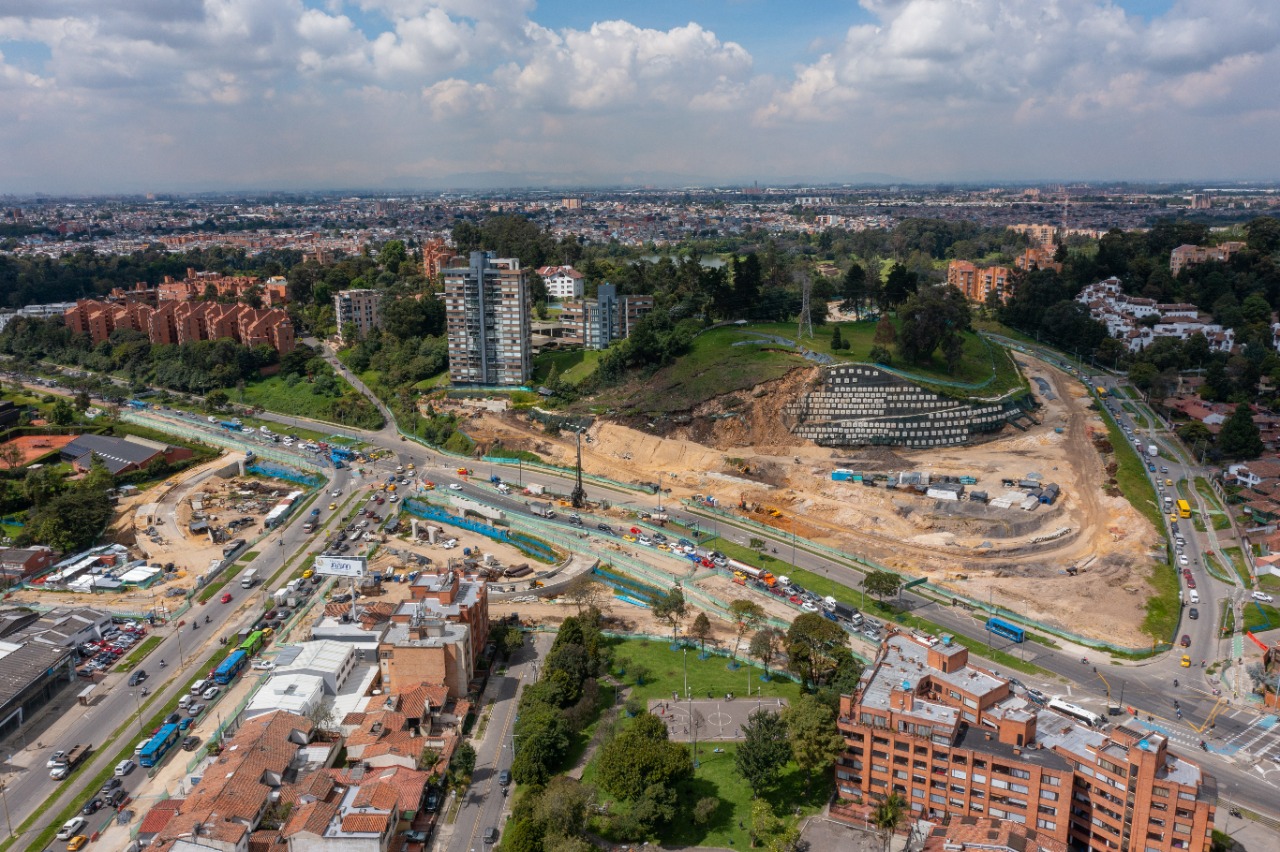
978,518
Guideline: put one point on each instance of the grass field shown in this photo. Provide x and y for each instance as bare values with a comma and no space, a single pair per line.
300,399
1131,477
978,365
715,775
1260,616
1164,608
1214,567
572,366
1237,562
713,366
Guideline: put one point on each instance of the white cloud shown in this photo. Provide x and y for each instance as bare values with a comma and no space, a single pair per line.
372,88
616,65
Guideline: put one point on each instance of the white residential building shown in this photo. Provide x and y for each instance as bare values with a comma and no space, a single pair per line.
1122,316
563,282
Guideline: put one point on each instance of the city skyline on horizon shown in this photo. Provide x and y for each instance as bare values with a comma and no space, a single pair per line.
299,95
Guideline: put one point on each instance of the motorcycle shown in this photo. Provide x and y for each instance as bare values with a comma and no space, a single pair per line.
162,664
1084,661
1204,746
1175,683
1235,812
206,619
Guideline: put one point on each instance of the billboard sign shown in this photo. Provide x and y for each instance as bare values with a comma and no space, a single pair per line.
341,566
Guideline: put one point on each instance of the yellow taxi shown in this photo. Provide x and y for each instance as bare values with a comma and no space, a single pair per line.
332,506
1168,482
1173,519
411,467
429,485
628,537
306,575
77,842
1186,661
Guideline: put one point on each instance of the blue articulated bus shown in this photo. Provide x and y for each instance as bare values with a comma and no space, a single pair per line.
158,746
230,667
1000,627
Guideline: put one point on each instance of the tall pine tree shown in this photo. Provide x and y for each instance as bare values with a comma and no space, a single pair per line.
1239,437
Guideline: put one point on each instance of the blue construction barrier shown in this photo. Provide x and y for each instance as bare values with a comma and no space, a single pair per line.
275,470
628,586
524,544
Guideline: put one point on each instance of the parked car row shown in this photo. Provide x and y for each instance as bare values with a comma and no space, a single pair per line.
101,654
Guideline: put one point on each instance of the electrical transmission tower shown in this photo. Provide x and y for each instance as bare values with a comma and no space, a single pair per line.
805,325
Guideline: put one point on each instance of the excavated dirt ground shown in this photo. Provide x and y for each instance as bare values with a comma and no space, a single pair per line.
1010,556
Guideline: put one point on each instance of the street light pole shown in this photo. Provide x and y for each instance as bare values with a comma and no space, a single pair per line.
4,796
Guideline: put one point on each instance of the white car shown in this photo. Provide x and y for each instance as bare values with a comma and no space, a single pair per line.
1263,596
337,494
1182,559
125,766
453,486
263,665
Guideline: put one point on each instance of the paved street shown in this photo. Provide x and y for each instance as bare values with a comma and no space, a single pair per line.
485,805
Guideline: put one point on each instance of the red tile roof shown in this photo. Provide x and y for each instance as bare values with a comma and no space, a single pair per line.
159,816
366,822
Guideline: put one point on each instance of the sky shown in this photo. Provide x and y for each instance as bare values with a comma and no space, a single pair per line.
105,96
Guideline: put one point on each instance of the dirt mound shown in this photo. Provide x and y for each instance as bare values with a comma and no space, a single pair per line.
751,418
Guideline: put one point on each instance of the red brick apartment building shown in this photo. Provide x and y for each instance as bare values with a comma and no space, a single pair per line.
955,742
172,322
978,282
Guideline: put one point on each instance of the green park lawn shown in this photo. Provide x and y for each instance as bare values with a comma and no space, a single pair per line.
715,774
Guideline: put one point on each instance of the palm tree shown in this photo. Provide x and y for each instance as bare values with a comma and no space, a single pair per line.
888,815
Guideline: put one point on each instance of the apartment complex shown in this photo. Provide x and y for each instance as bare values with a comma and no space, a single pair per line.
437,636
359,308
487,314
215,285
977,282
953,740
1123,314
1189,255
596,323
1044,236
172,322
563,282
1037,258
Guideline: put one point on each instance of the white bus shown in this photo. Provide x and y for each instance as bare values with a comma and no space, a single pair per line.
1077,712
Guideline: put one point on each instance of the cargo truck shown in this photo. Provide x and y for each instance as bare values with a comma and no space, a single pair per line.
1153,450
73,758
249,578
542,510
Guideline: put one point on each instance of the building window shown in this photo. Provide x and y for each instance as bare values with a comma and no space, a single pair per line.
1046,824
958,773
1160,791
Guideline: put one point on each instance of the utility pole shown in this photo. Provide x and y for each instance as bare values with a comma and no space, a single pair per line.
579,495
